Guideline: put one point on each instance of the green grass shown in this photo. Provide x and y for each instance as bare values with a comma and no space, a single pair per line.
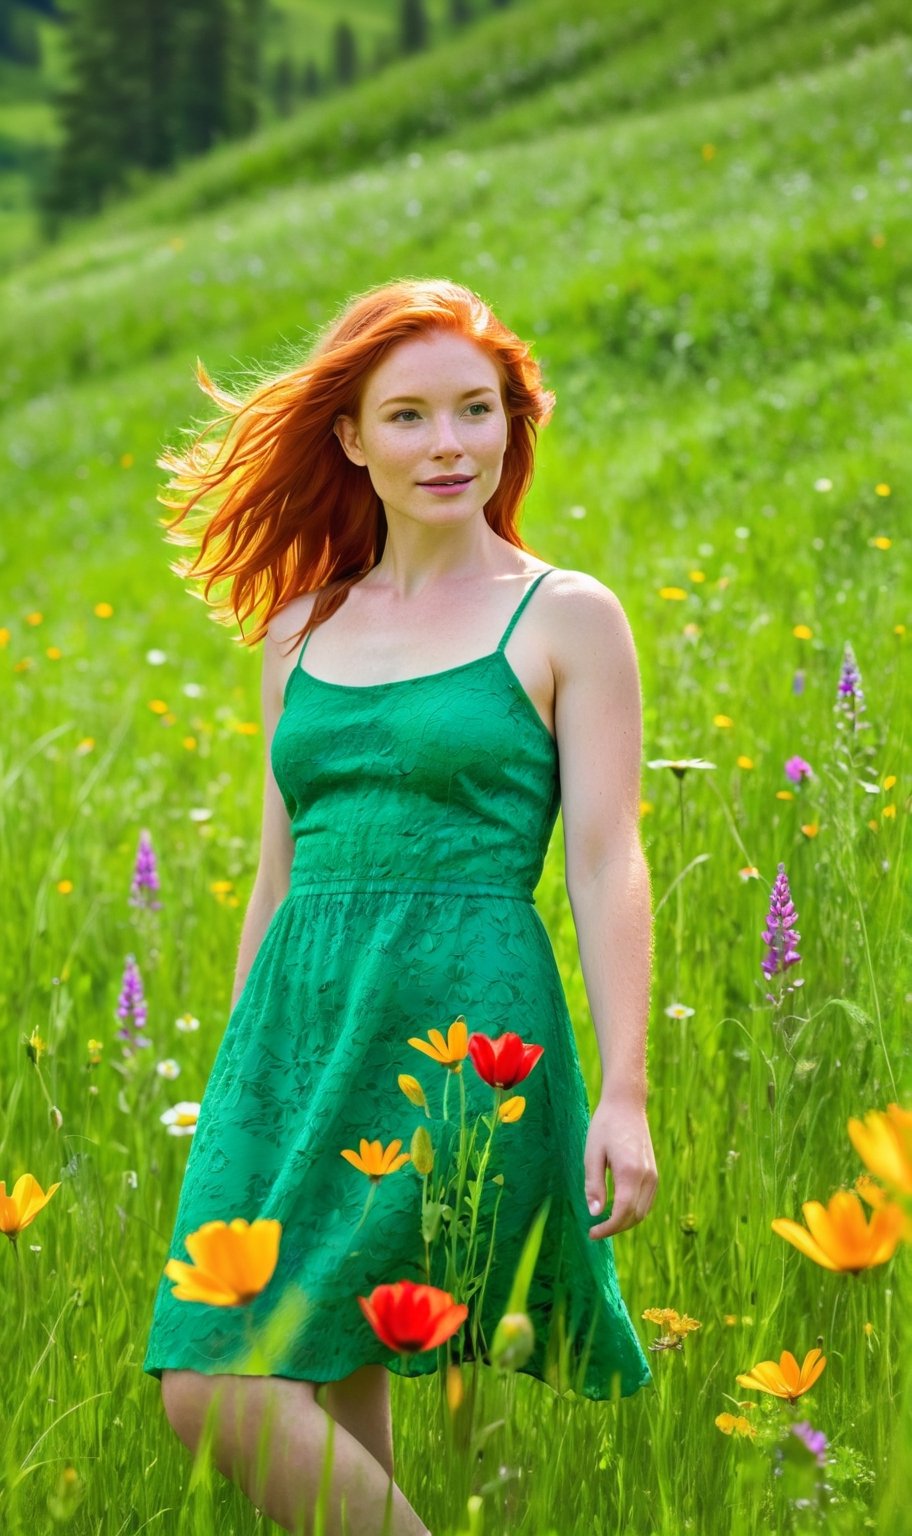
702,221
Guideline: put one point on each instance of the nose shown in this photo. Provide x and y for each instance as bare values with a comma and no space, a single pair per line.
446,438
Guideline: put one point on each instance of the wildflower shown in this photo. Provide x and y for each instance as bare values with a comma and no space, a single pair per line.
850,705
779,934
724,721
232,1262
145,875
839,1237
798,681
450,1052
505,1061
374,1161
731,1423
787,1379
186,1023
168,1068
513,1342
678,1011
814,1439
410,1318
132,1002
884,1144
673,594
798,770
679,765
182,1119
802,632
18,1210
744,762
412,1089
749,872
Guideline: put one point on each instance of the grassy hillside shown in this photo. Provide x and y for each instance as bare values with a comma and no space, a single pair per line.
702,221
297,31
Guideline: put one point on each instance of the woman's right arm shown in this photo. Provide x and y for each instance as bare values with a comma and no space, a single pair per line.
273,875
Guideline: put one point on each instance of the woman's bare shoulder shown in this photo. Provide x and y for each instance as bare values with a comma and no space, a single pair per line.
286,622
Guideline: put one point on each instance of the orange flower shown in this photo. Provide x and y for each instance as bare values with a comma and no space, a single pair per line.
785,1379
409,1317
884,1144
234,1262
839,1237
504,1062
374,1161
19,1209
450,1052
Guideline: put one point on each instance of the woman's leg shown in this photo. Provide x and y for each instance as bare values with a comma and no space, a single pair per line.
269,1436
361,1404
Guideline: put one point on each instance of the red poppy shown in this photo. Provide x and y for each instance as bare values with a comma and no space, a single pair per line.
503,1062
409,1317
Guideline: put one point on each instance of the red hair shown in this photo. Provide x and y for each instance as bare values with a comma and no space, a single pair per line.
280,475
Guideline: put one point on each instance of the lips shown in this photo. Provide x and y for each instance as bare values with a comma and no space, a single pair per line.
448,480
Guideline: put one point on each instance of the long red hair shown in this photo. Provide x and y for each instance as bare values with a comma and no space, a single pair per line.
292,513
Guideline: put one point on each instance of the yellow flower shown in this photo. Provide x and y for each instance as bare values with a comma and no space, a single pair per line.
899,629
839,1237
697,575
811,828
18,1210
884,1144
730,1423
745,762
374,1161
34,619
64,887
882,489
785,1379
802,632
219,887
749,872
876,1197
233,1262
673,594
512,1109
888,810
889,781
412,1089
102,610
723,720
784,794
158,706
450,1052
880,542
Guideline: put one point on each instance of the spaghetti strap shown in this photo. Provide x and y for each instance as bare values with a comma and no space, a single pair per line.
302,650
521,605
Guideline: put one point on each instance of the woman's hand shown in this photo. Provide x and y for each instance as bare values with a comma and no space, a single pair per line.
619,1138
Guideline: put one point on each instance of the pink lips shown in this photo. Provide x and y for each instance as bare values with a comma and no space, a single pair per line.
445,490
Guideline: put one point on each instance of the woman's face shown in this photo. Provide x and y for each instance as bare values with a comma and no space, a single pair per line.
452,422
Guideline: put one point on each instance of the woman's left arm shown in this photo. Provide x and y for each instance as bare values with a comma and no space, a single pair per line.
598,723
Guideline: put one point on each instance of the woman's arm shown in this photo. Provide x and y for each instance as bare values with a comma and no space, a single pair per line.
598,722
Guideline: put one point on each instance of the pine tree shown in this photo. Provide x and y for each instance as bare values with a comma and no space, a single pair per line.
345,61
413,26
282,86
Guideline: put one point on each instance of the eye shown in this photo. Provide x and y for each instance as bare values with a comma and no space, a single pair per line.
408,411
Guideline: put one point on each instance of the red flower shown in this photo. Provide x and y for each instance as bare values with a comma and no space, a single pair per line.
409,1317
503,1062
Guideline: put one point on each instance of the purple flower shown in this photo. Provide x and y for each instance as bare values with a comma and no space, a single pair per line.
814,1439
778,934
798,680
131,1005
798,770
850,704
145,874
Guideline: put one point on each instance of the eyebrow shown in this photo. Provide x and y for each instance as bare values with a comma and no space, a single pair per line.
483,389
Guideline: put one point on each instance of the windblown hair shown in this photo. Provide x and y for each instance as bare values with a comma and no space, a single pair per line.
292,513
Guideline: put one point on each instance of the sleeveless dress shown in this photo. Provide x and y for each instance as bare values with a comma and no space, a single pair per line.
421,811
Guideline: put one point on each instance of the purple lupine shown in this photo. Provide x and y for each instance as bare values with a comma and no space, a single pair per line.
778,933
798,770
814,1439
849,694
131,1005
145,874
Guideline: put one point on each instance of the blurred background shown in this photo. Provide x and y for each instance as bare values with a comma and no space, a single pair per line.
700,217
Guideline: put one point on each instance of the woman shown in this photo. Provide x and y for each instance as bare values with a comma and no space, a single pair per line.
414,769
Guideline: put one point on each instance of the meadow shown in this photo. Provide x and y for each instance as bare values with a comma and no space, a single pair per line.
702,221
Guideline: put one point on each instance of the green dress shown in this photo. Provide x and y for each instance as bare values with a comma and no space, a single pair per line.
421,811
